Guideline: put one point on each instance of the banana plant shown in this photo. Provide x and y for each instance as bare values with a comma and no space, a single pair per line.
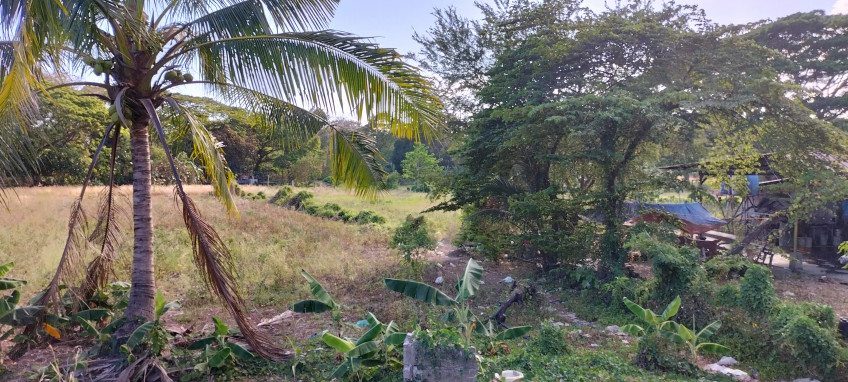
655,323
10,313
374,348
150,332
323,302
495,340
467,286
681,335
218,350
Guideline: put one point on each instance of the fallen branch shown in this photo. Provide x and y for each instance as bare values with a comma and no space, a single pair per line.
517,296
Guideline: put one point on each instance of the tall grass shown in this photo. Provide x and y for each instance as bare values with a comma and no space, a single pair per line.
270,244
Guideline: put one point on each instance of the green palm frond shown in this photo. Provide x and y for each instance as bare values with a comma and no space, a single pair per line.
356,161
208,151
287,14
18,109
325,70
246,18
301,14
289,125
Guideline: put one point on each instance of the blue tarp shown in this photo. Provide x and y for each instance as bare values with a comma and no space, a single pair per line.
695,217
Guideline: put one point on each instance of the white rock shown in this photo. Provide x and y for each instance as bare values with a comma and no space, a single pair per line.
278,319
558,324
737,374
440,280
727,361
508,280
594,345
612,329
452,264
482,282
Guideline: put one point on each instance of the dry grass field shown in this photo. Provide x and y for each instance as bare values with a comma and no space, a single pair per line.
270,244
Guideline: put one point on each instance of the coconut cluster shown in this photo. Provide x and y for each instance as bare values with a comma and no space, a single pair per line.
177,76
99,66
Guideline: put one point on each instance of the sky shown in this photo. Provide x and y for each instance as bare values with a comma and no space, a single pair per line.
392,22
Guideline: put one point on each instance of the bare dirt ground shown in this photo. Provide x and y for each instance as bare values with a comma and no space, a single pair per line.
801,288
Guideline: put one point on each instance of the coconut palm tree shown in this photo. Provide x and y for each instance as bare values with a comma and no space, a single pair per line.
256,54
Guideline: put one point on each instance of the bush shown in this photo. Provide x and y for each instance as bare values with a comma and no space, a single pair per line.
299,200
392,181
756,291
412,238
727,295
282,196
674,268
698,308
655,353
489,237
368,216
419,188
727,267
635,290
822,315
813,348
551,341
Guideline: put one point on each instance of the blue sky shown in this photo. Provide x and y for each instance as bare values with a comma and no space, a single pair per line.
392,22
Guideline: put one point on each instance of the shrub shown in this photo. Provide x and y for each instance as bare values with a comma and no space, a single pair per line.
551,341
653,353
756,291
368,216
310,208
488,237
727,267
419,188
698,308
727,295
822,315
412,238
674,268
624,287
299,200
282,196
392,181
237,190
814,348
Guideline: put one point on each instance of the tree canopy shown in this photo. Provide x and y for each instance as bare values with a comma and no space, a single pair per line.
581,106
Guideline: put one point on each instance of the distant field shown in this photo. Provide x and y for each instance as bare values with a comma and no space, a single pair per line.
270,244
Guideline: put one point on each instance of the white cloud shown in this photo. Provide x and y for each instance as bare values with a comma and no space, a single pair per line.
840,6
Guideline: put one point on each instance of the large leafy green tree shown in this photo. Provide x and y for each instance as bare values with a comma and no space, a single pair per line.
811,53
585,107
420,166
255,54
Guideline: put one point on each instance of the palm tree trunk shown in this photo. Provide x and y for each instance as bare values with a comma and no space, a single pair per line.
143,290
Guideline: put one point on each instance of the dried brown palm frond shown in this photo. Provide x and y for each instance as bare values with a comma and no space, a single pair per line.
69,270
112,217
213,259
146,369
